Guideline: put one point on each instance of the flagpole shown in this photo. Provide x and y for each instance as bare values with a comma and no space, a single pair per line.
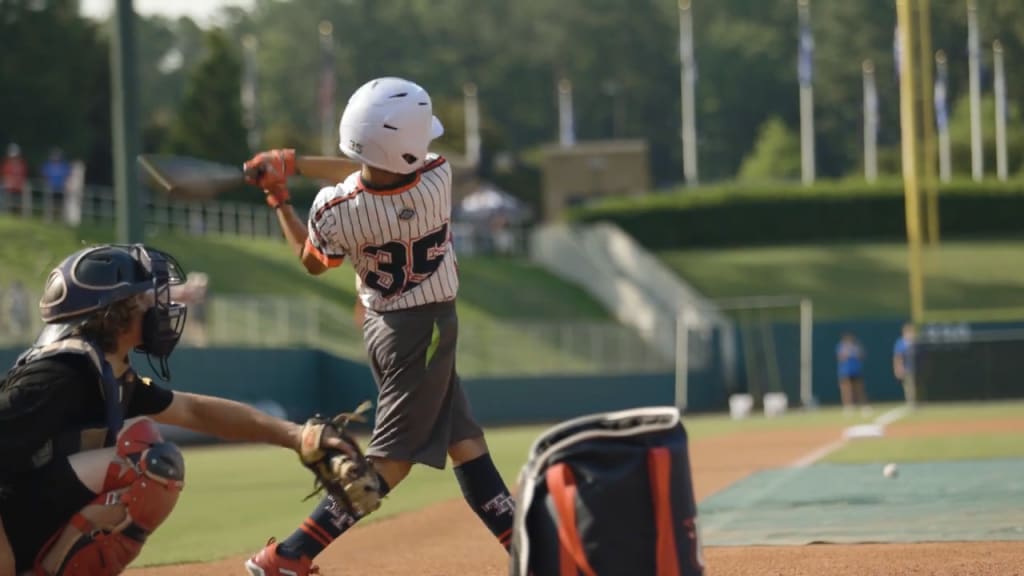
1000,93
806,93
566,131
328,129
974,71
689,80
931,186
249,75
124,100
472,112
870,122
942,116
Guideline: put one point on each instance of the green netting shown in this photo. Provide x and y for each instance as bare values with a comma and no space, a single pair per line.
854,503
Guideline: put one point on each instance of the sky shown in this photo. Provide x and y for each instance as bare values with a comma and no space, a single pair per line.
199,10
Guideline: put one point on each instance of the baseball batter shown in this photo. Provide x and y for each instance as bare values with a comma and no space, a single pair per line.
391,220
85,476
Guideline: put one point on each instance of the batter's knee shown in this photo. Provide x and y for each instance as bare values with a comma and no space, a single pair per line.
391,471
465,450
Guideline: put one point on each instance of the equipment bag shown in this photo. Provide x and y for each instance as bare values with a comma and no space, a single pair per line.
608,495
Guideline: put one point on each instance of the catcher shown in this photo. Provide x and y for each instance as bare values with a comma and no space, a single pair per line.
391,218
85,476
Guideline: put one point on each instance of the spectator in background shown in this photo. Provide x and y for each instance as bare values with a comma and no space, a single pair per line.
903,363
74,190
55,171
15,173
193,292
850,358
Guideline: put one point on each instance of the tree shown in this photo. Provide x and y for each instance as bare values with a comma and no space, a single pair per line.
776,156
54,70
960,136
209,121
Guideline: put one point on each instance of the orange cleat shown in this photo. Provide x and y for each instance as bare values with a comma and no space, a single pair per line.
268,562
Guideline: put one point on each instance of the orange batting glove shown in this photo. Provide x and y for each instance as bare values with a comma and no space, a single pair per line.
270,171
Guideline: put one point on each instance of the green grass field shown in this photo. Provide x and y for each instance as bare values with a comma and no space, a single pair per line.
861,280
237,496
960,446
965,447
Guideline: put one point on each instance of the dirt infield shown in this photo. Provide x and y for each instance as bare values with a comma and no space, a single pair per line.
448,540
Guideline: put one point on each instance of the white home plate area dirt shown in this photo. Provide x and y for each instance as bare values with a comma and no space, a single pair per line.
448,540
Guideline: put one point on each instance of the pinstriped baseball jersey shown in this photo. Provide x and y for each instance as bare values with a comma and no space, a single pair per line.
398,240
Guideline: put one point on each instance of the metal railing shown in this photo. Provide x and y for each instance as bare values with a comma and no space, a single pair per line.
97,205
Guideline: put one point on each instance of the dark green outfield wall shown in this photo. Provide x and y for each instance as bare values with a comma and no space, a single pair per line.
304,382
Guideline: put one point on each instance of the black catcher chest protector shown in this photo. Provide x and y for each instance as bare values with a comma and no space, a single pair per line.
116,394
608,495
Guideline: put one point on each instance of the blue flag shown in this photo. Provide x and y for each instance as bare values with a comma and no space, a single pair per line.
941,99
805,58
897,52
871,99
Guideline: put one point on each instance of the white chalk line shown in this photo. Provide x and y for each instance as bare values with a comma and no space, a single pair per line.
794,469
822,452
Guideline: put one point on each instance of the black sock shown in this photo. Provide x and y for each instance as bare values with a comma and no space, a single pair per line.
488,496
323,526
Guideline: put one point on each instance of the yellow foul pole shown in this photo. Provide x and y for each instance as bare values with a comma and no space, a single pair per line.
911,190
931,185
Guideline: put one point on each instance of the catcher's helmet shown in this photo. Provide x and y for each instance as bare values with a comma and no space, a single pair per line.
388,124
91,279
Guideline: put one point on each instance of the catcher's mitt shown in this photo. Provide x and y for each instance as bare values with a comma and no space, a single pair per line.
350,479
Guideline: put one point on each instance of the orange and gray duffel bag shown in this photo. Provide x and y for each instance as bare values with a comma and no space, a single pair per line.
608,495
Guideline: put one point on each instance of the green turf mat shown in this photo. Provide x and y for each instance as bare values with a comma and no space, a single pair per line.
976,500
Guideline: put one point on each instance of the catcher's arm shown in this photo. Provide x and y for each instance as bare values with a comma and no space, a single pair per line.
234,421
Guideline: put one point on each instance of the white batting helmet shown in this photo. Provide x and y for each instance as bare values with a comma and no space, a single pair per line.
388,124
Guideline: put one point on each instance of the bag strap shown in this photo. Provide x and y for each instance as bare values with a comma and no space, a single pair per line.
659,468
562,487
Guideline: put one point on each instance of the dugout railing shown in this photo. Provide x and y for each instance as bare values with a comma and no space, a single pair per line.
96,205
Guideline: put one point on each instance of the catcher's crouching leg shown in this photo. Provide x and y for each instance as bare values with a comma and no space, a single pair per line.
140,490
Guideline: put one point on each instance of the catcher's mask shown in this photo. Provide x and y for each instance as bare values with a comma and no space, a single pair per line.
87,282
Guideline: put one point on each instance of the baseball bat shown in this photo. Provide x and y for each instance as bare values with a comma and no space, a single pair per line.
198,179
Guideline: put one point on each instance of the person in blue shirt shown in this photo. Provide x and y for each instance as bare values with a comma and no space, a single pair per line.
903,363
850,360
56,171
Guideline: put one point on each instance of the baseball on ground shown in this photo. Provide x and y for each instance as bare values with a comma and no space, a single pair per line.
890,471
